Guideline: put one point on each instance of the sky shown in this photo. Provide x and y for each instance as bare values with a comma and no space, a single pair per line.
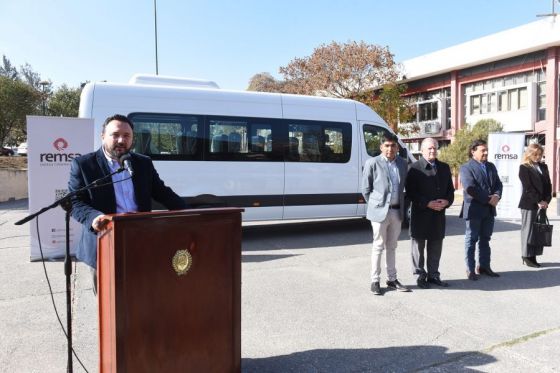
229,41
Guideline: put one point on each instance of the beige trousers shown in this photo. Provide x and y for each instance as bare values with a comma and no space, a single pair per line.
385,237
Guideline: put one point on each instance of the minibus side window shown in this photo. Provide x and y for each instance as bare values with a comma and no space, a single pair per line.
239,139
372,139
261,138
163,136
226,136
310,141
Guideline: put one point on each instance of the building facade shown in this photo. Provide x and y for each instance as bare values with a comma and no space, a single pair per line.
510,76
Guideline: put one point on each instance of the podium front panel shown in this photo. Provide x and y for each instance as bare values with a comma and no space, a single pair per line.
161,320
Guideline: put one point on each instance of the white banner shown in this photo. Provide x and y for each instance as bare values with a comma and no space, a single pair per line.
52,144
505,150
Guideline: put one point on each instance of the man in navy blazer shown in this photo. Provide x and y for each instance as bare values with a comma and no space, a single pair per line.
482,190
129,191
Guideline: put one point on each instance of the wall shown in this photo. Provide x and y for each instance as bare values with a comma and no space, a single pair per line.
13,184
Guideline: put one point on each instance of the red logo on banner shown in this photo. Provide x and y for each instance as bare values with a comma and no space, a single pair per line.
505,148
60,144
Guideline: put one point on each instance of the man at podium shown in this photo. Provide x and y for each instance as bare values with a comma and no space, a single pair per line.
130,190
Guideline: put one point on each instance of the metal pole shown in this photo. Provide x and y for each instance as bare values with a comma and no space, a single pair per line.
44,84
155,32
68,274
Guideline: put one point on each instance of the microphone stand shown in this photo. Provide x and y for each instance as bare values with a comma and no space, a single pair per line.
66,203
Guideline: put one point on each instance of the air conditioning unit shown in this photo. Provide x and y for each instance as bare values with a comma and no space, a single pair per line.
431,128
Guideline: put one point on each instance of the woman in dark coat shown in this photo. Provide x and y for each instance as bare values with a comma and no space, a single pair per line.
537,193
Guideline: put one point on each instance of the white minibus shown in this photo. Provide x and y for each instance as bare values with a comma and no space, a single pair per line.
279,156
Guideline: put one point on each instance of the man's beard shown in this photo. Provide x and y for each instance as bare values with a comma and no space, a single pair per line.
116,152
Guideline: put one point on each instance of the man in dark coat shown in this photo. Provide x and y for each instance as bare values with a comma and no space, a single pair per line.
430,189
126,191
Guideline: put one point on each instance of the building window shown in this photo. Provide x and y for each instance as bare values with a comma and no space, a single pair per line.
502,101
448,110
510,100
484,104
522,98
428,111
475,105
493,102
541,101
513,99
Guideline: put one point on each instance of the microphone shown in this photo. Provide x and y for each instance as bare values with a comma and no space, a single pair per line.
124,160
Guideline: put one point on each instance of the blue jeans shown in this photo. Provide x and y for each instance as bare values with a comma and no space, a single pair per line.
478,230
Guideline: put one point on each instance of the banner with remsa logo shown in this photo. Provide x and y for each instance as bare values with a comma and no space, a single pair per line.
505,151
52,143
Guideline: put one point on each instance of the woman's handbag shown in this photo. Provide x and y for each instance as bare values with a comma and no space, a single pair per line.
541,234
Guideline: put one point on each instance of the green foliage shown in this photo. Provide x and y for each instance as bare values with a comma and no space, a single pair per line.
31,77
373,142
457,152
390,105
22,93
7,69
64,102
17,99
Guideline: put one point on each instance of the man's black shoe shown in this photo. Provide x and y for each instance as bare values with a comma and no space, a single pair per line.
396,285
376,288
438,282
486,271
421,282
472,276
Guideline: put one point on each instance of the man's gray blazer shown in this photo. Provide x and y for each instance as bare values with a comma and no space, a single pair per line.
376,187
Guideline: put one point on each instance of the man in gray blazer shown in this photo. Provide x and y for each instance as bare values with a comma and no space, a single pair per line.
383,183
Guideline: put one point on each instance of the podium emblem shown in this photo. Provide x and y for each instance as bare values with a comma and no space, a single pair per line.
182,261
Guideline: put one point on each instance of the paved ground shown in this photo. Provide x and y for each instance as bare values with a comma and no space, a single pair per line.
307,305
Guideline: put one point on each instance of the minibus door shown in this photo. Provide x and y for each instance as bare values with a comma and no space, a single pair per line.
320,178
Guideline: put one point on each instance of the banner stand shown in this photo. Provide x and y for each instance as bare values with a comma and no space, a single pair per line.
53,142
505,150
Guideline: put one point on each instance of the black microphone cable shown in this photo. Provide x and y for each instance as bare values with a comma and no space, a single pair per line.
49,283
51,291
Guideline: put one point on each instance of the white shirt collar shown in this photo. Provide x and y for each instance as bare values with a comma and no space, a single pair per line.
387,159
108,157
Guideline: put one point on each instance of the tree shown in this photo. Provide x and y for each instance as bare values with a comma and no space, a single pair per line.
350,70
264,82
26,74
340,70
17,99
32,78
457,152
65,102
7,70
390,105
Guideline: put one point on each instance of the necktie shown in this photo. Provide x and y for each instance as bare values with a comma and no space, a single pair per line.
485,172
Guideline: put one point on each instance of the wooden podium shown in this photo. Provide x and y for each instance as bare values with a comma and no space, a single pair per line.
169,292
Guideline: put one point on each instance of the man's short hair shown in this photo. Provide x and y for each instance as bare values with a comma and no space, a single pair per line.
388,136
475,144
120,118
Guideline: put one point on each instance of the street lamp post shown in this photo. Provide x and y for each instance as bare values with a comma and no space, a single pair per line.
44,85
155,34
